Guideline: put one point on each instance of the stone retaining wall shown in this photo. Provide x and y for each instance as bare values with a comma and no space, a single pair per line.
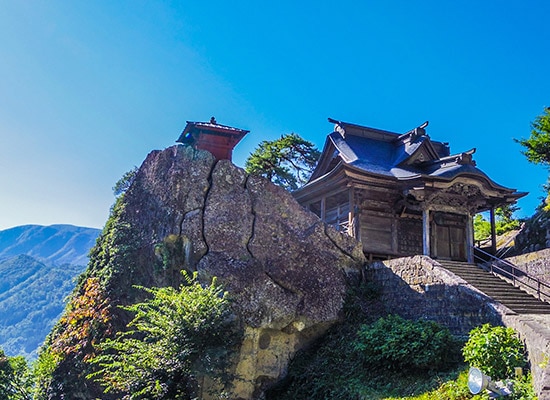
419,288
534,330
536,264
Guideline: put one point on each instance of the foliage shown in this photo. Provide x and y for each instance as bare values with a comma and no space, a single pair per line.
457,389
15,378
523,389
452,389
394,343
43,371
504,222
32,302
125,181
84,319
340,366
537,146
482,228
332,369
33,290
175,337
287,162
495,350
111,268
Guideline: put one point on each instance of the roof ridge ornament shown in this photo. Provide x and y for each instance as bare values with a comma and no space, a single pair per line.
466,158
338,127
413,134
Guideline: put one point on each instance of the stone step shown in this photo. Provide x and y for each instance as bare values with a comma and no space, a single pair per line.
498,289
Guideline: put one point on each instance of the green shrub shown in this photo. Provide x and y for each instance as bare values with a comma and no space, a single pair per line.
15,378
457,389
176,337
523,389
394,343
333,368
495,350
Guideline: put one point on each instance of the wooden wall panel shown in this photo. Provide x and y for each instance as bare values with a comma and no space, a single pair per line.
377,234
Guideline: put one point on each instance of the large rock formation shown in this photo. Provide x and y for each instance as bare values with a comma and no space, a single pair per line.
535,233
285,269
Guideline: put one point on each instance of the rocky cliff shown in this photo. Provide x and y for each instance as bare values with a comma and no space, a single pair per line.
286,271
535,233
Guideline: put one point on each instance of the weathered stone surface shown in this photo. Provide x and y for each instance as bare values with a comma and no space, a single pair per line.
419,288
534,235
534,331
284,269
536,264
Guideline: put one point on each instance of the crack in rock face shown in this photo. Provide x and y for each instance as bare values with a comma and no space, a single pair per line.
281,267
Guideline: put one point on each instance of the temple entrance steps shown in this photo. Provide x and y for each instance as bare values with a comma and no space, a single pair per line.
497,288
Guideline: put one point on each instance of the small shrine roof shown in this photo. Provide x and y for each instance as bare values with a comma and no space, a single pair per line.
211,126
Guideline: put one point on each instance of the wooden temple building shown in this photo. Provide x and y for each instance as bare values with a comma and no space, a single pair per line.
218,139
401,194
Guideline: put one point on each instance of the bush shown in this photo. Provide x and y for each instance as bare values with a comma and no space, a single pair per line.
495,350
336,366
394,343
176,337
15,378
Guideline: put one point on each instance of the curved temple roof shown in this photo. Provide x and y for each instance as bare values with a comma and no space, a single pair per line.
401,158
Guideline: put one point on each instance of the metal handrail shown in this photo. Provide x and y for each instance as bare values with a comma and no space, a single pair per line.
519,278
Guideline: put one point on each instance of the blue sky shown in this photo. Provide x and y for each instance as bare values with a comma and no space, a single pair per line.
89,88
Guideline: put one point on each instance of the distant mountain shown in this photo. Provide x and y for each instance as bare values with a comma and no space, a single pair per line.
38,269
54,244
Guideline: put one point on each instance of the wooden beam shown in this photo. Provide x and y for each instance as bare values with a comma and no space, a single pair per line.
493,231
470,239
426,232
352,230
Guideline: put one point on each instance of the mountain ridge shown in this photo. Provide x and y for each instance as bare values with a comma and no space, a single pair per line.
38,270
54,244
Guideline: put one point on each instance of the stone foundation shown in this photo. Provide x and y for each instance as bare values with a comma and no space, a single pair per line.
419,288
536,264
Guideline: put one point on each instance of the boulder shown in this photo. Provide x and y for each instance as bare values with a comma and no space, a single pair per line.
286,271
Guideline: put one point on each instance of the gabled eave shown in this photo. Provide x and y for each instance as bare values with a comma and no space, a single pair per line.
324,162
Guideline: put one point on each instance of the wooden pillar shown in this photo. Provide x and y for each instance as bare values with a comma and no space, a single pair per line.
493,232
351,214
323,209
470,238
426,232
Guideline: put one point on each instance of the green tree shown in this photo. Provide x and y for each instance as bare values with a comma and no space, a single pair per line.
125,181
175,337
482,228
15,378
537,146
287,162
504,222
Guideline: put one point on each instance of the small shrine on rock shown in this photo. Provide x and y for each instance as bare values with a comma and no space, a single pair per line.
220,140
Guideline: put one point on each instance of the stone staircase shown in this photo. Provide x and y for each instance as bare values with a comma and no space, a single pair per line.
497,288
